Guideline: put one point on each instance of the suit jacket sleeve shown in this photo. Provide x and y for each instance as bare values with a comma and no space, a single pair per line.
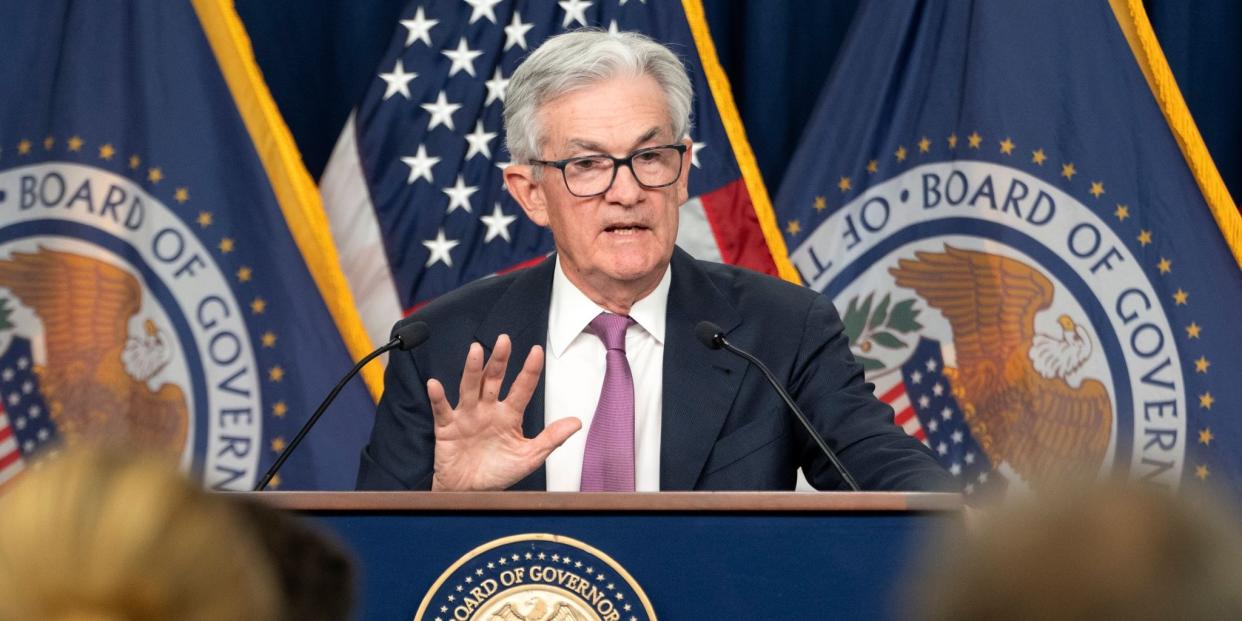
828,384
400,455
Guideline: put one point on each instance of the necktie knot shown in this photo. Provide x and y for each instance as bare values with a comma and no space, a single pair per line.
611,329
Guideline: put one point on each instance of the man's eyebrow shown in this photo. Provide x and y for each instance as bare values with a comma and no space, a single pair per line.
587,145
646,137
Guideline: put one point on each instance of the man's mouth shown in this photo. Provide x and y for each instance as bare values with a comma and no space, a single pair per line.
625,229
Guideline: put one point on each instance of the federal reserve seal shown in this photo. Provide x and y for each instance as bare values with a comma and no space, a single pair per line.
117,325
535,577
1011,326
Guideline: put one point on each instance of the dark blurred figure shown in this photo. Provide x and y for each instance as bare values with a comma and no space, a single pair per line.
315,573
99,535
1090,552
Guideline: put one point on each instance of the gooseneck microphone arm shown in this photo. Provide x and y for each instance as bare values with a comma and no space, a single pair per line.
712,336
405,337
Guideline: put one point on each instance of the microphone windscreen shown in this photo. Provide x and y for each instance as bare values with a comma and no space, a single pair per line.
708,333
411,334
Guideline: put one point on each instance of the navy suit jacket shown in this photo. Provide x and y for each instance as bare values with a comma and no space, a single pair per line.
723,427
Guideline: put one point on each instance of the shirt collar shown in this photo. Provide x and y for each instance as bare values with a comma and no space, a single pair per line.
572,311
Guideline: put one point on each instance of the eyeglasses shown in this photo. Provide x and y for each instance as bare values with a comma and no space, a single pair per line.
592,175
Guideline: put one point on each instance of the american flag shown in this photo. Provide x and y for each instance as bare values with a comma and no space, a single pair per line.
25,426
414,191
930,394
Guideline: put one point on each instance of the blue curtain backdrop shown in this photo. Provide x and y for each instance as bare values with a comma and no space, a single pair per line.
319,58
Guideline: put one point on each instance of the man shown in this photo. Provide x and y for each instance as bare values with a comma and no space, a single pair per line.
596,124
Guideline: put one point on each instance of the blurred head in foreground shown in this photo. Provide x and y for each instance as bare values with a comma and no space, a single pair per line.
1108,551
97,535
314,571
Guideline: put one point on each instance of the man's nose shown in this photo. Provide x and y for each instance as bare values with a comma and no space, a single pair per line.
625,187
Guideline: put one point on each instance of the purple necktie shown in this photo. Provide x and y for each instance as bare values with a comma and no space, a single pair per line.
608,464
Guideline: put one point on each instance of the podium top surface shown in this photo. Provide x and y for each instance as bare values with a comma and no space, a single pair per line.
624,502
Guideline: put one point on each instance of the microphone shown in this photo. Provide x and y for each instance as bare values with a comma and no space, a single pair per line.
710,335
404,337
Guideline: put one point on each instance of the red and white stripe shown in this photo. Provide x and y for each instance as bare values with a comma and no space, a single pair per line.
11,462
359,242
903,410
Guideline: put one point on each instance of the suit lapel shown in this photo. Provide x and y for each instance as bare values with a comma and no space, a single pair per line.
699,384
522,313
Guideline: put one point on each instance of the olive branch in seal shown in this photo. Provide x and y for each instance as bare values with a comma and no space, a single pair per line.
868,327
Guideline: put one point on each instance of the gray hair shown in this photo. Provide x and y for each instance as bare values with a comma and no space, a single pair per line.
573,60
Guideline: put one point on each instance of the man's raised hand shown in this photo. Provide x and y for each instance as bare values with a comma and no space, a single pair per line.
479,443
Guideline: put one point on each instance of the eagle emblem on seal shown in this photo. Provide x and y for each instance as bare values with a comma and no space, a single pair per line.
538,611
1010,380
96,374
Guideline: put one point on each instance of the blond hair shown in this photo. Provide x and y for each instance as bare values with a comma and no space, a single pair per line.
1086,552
99,535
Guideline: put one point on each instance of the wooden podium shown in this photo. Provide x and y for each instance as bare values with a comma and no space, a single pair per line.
669,555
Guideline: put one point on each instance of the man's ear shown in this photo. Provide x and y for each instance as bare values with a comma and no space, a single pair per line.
683,184
520,179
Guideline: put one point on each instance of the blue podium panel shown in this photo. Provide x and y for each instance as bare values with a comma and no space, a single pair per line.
631,557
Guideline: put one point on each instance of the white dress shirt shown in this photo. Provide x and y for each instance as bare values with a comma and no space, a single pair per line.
574,377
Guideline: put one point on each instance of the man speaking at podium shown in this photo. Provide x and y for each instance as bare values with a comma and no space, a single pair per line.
615,392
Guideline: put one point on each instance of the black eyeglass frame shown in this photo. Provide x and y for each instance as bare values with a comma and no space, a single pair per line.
617,163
